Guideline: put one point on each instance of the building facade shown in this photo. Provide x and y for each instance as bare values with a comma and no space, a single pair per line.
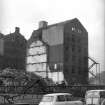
14,50
1,49
37,58
66,45
1,44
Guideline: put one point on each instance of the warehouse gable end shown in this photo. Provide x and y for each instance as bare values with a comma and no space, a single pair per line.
67,47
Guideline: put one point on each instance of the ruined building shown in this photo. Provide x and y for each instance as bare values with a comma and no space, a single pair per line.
13,50
59,51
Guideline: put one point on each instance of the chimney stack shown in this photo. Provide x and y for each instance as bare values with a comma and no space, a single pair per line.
17,29
43,24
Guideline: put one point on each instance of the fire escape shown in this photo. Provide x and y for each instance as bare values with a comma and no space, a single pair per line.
96,70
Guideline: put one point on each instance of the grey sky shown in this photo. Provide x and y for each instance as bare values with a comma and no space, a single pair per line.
27,13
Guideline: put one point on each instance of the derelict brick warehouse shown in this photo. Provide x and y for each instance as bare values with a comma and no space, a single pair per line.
59,51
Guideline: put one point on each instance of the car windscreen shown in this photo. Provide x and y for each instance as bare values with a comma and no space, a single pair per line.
92,94
47,98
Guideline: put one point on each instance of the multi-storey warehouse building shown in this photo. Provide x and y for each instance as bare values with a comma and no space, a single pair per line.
59,51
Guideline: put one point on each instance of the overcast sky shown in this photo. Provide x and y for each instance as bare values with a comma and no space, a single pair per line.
27,13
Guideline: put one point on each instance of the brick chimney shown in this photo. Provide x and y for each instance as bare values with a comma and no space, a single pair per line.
43,24
17,30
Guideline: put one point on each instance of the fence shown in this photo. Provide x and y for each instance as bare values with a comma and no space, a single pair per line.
22,98
37,90
33,96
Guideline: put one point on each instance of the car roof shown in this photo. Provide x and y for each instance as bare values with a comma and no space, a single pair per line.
95,90
21,104
56,94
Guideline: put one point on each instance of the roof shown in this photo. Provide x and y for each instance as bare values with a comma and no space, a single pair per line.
62,23
38,32
14,35
55,94
98,90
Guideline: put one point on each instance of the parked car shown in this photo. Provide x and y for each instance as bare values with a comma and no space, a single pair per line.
95,97
59,99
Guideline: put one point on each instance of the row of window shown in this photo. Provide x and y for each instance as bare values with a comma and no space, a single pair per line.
79,70
76,30
76,69
73,39
78,49
82,59
58,66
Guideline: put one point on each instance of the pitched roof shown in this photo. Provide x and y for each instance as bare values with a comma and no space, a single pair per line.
65,22
61,23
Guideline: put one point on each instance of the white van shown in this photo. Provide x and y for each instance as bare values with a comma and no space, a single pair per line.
95,97
59,99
